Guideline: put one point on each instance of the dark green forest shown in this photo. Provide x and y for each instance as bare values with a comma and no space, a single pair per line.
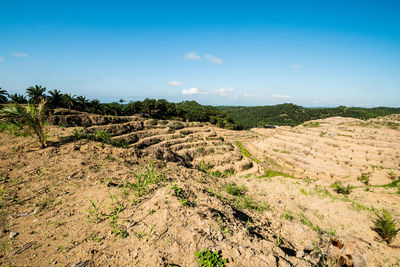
229,117
292,115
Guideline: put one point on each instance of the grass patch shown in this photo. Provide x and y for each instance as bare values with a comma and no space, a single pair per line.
99,136
312,124
182,196
271,173
13,129
144,179
236,190
207,258
245,152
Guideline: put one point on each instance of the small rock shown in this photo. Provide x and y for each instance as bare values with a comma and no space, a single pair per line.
13,234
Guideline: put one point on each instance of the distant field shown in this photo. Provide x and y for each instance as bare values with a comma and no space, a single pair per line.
292,115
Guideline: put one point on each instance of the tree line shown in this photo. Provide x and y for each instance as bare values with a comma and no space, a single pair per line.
158,109
292,115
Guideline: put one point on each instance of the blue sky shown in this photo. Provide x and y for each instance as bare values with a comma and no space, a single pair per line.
311,53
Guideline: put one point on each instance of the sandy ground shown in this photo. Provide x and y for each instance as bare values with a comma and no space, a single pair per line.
83,203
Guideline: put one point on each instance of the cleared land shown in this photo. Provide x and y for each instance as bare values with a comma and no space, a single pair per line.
262,197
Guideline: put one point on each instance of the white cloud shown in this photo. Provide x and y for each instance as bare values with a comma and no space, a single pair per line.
20,54
301,84
175,83
191,91
224,91
246,94
295,66
192,56
213,59
281,96
1,59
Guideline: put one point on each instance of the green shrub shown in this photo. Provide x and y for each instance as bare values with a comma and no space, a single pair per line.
385,226
208,258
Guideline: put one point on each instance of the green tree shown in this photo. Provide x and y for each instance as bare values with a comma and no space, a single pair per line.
31,116
82,103
36,94
3,96
18,99
95,106
54,99
68,101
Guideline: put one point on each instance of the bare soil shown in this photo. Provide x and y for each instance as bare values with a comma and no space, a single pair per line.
84,203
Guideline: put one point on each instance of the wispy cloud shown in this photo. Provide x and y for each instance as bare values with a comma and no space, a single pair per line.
175,83
295,66
213,59
192,56
224,91
191,91
281,96
20,54
1,59
39,64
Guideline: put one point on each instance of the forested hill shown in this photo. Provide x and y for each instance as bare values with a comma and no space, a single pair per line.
292,115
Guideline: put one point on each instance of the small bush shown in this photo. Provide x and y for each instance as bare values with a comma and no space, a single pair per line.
385,226
341,189
208,258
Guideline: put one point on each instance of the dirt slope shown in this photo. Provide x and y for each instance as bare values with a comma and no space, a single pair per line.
172,193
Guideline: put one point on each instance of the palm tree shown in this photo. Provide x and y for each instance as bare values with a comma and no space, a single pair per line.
96,106
36,94
68,100
3,96
54,99
82,102
30,116
18,99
